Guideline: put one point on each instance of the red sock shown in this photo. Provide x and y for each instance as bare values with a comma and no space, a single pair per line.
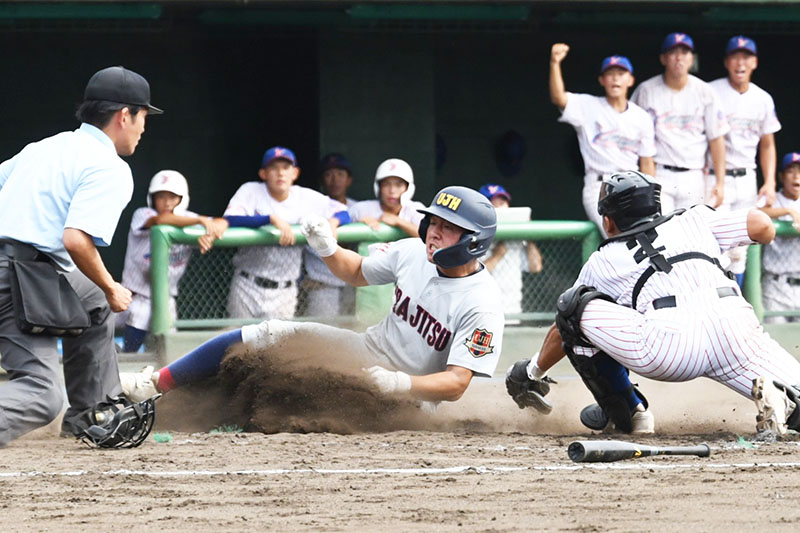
165,381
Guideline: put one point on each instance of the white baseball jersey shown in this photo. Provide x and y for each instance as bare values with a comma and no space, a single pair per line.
372,208
750,115
782,256
507,274
277,263
136,272
609,141
435,321
703,334
684,120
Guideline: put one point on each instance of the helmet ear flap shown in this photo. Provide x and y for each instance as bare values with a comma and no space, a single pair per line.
423,227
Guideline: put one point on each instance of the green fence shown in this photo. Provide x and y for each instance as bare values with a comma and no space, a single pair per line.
565,247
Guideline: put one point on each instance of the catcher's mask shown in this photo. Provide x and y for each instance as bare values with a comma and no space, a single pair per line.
120,423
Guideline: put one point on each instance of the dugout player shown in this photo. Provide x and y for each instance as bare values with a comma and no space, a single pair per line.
61,198
750,112
613,133
689,121
445,326
654,299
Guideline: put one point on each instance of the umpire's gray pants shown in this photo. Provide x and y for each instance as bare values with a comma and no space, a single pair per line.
34,396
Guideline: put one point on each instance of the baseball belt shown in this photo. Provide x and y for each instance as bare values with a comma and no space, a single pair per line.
787,279
266,283
674,168
670,301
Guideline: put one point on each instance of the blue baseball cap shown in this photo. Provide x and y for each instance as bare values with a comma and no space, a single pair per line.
790,159
334,161
490,190
278,152
616,61
677,39
740,42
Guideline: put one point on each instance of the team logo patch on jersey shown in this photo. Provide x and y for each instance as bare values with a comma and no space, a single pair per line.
480,343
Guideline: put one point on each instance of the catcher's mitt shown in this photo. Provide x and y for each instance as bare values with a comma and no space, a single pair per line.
528,392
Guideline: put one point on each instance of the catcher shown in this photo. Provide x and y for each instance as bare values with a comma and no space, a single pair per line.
445,326
654,299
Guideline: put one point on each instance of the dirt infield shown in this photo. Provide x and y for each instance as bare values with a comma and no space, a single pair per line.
479,464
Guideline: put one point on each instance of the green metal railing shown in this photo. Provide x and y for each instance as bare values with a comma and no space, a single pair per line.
163,237
752,275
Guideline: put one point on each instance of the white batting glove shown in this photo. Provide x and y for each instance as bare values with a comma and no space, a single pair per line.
389,382
319,235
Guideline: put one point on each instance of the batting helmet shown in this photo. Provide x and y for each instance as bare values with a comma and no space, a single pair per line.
397,168
469,210
629,198
172,181
120,423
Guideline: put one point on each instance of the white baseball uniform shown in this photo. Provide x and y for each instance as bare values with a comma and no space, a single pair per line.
372,208
265,278
507,274
435,321
706,332
324,291
136,271
684,121
751,115
780,275
609,141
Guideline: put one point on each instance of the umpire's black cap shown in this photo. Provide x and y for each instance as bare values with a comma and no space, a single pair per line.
122,86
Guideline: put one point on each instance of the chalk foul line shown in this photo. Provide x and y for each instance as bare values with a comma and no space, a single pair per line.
645,465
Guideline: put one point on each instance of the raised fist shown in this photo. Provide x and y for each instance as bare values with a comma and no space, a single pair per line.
558,52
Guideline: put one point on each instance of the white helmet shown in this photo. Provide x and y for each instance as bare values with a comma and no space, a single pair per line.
172,181
400,169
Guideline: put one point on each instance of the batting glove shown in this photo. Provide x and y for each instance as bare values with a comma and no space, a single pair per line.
319,235
389,382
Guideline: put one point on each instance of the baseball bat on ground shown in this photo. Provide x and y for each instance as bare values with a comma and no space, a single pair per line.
606,451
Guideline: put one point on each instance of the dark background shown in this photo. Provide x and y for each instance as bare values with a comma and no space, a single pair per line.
362,79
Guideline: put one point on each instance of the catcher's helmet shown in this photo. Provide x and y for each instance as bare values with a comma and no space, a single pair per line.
120,423
469,210
397,168
172,181
629,198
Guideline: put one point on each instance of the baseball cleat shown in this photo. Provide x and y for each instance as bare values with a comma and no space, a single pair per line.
593,417
773,406
139,386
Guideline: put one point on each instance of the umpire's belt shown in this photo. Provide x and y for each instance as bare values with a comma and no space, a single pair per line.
675,169
266,283
669,301
10,249
787,279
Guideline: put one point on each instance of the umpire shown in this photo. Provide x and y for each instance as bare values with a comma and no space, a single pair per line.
60,198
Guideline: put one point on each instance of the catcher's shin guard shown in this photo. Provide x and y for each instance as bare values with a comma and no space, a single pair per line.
614,401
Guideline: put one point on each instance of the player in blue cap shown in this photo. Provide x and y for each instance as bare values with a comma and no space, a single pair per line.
613,134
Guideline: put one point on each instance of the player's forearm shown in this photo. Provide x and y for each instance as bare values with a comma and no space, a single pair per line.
409,227
717,149
172,219
346,265
447,386
558,93
767,156
84,254
534,258
647,166
760,228
776,212
551,352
